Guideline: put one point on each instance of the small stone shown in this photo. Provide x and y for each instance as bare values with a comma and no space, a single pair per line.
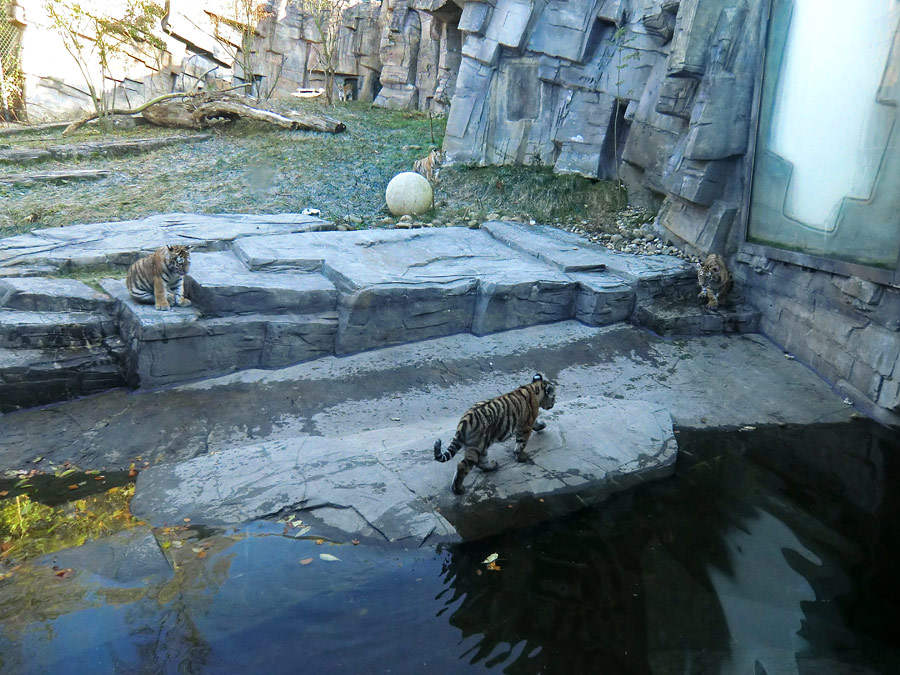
474,225
436,223
354,220
344,228
402,226
494,216
406,219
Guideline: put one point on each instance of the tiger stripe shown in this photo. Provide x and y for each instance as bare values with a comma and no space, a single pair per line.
495,420
154,277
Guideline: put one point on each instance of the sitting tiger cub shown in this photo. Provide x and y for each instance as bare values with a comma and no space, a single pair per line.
715,281
154,277
428,165
495,420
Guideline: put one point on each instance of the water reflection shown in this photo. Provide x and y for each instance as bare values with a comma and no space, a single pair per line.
773,551
746,562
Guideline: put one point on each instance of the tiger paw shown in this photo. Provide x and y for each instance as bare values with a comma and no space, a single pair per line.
437,450
184,302
488,466
457,489
163,307
523,457
539,426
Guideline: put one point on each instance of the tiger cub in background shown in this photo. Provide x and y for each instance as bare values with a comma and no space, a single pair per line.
428,165
495,420
715,281
156,276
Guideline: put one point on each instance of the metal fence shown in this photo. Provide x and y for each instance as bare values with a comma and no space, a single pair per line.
12,93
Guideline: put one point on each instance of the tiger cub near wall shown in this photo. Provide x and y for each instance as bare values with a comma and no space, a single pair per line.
428,165
155,277
715,281
496,420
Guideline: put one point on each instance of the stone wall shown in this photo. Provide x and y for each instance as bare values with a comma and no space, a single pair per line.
660,93
392,54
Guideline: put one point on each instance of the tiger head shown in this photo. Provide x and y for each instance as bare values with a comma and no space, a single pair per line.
546,391
179,257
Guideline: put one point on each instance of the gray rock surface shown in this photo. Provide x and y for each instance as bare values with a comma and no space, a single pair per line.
376,485
128,556
121,243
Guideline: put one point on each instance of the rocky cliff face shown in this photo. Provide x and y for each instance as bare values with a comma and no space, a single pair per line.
655,92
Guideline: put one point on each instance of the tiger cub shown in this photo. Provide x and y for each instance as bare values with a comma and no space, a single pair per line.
495,420
428,165
715,281
156,276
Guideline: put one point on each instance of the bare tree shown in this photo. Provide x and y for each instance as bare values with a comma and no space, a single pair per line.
95,32
326,17
237,34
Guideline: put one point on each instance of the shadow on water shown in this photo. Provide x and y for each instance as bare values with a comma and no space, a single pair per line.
770,551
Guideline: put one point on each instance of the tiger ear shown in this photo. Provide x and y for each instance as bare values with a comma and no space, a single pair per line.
537,377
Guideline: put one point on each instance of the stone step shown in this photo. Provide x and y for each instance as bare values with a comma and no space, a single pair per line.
219,284
39,294
680,315
650,275
181,344
31,377
38,330
386,485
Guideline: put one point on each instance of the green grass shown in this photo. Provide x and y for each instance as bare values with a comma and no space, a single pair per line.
254,168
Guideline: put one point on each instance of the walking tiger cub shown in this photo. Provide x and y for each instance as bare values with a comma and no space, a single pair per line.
428,165
495,420
715,281
154,277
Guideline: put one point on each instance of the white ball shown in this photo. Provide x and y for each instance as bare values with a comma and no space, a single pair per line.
409,194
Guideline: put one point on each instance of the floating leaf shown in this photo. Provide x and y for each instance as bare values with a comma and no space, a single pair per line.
64,573
297,523
328,557
306,561
197,549
491,558
38,459
187,520
73,487
66,473
3,493
320,541
202,554
355,542
302,531
494,567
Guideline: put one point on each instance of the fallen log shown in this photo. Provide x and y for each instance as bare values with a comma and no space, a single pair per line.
228,109
200,111
77,124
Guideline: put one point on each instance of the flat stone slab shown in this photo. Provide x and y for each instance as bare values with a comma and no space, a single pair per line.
386,484
571,253
220,284
689,316
51,295
120,243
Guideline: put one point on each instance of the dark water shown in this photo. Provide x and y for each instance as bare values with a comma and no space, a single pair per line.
770,551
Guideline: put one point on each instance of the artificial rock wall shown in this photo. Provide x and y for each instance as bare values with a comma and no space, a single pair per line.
388,52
